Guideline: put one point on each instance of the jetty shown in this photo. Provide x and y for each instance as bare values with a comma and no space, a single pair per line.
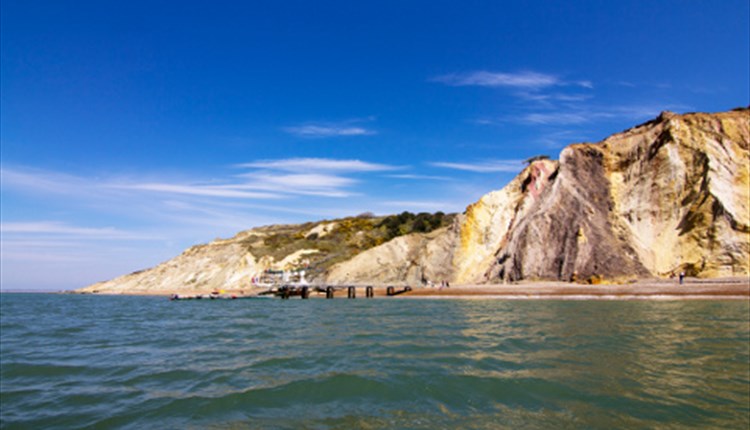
303,292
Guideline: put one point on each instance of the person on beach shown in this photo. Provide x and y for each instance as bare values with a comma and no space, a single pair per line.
682,277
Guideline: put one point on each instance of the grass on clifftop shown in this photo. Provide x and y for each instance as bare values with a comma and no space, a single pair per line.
347,237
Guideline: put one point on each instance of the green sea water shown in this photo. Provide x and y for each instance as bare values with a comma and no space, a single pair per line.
69,361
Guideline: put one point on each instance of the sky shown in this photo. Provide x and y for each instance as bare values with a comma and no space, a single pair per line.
130,131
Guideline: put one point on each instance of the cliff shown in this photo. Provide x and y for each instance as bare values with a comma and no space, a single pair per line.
260,254
666,196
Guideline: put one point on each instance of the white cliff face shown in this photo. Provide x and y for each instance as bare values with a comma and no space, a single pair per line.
220,265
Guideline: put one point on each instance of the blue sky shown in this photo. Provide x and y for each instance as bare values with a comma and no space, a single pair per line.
132,130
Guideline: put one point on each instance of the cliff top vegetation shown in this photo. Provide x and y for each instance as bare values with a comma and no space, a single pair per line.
341,239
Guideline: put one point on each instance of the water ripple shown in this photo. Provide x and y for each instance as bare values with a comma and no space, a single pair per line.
133,362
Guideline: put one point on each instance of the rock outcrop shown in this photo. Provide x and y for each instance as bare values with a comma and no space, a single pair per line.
680,189
667,196
220,265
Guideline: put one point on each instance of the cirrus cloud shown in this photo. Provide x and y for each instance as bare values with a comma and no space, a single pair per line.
527,80
318,164
492,166
348,128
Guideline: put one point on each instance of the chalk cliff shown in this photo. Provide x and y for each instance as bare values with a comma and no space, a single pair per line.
669,195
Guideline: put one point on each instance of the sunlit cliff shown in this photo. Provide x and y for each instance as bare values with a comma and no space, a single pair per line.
669,195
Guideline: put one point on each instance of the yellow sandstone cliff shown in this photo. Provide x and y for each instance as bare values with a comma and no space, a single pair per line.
666,196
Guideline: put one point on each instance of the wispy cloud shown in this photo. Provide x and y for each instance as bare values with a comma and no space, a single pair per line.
314,184
348,128
327,131
499,79
550,100
492,166
226,191
552,97
308,176
225,203
580,114
269,180
60,228
544,100
558,117
318,164
254,186
44,181
528,80
419,177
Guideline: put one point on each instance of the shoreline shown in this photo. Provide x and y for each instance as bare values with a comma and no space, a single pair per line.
653,289
581,297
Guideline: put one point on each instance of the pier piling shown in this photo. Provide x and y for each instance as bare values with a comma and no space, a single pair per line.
391,291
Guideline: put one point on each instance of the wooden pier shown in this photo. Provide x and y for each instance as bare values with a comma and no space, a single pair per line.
304,292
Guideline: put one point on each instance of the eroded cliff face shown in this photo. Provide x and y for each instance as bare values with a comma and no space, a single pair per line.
568,233
410,259
680,188
462,253
487,225
220,265
669,195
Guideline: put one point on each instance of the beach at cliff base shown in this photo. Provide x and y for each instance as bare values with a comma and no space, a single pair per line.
736,288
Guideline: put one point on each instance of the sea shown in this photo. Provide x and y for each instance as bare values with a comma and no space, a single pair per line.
115,362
